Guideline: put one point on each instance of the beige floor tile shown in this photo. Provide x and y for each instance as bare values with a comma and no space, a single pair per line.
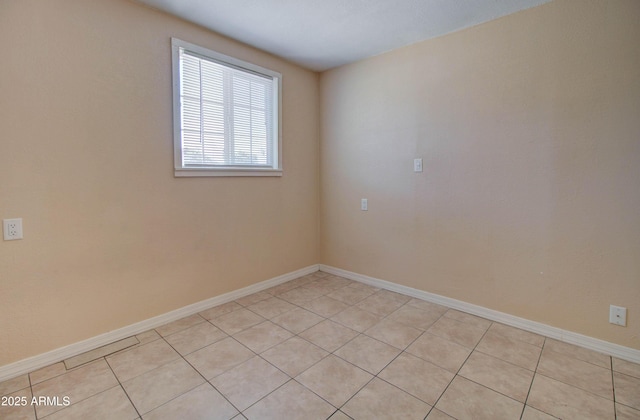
77,384
350,295
415,317
291,401
436,414
294,355
580,353
301,281
626,413
379,399
300,295
509,349
322,274
281,288
253,298
337,282
430,307
148,336
505,378
398,297
219,310
476,321
329,335
364,286
339,415
628,368
110,404
517,334
439,351
47,372
368,353
459,332
334,379
627,390
179,325
323,286
141,359
194,338
380,304
575,372
249,382
271,307
17,406
356,319
202,402
97,353
419,378
263,336
156,387
236,321
393,333
568,402
297,320
219,357
464,399
531,413
15,384
325,306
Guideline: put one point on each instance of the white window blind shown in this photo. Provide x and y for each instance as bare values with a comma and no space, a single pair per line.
228,113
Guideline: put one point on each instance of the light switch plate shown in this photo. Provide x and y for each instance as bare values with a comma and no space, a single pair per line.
417,165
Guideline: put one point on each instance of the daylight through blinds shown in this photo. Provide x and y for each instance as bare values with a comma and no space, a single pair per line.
226,115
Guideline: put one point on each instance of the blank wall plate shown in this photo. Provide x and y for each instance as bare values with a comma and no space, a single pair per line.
12,229
364,204
618,315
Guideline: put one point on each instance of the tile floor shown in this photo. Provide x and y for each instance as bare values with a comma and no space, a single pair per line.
321,347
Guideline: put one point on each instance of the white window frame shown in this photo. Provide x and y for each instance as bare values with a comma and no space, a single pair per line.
219,170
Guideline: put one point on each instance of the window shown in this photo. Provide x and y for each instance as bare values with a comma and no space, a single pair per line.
226,115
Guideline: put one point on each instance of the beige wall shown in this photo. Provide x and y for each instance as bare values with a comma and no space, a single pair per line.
529,203
529,129
86,159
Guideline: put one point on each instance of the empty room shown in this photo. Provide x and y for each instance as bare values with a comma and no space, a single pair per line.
340,209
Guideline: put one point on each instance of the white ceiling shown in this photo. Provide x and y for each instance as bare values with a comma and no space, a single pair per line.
322,34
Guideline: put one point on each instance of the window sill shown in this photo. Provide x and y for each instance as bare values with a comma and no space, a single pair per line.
181,173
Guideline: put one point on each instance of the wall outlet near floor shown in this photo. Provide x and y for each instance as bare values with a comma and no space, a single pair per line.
364,204
12,229
618,315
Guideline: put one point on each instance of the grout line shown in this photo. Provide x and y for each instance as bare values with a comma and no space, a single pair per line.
35,413
206,381
460,368
294,335
535,372
121,386
613,388
406,303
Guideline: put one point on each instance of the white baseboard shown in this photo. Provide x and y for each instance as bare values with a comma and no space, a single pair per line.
45,359
36,362
616,350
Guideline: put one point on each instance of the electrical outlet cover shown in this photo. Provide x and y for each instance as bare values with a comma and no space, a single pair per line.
12,229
